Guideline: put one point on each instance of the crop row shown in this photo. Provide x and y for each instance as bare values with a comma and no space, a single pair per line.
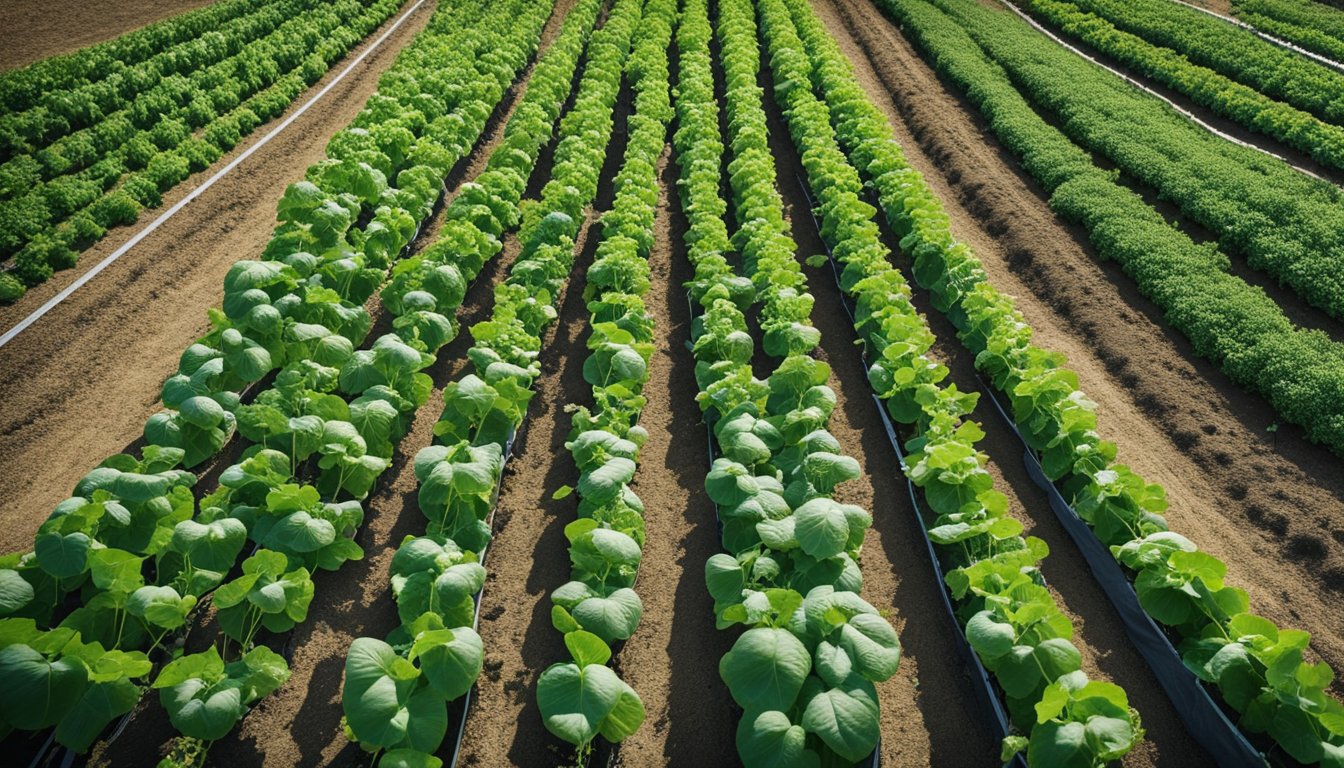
118,59
1313,26
1285,224
42,136
1229,321
460,476
1008,615
129,162
599,608
1231,50
812,648
1258,668
136,520
394,691
1229,98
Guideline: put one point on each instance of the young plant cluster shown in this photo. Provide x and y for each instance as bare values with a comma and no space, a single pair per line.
599,608
1232,323
1224,96
62,197
1009,617
1258,668
130,552
395,690
1313,26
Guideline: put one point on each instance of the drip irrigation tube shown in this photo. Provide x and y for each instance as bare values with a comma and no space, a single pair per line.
1187,114
1314,56
986,691
56,300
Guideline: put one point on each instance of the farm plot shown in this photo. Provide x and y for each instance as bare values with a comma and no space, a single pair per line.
774,382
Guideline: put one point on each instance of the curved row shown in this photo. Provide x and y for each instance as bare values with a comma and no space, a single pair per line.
164,46
1226,97
1008,615
1258,668
1235,52
1314,26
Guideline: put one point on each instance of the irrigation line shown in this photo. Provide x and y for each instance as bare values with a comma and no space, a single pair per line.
982,684
1148,90
1203,717
1318,58
55,301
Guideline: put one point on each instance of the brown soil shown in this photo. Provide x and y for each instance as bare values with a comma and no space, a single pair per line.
529,556
79,384
673,659
31,31
299,725
1217,6
1176,418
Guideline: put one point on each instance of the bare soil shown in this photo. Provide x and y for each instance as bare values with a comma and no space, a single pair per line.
79,384
1270,505
673,659
31,31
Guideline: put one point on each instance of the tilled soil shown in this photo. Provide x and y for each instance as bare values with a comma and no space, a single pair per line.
31,31
673,658
529,555
78,384
1270,505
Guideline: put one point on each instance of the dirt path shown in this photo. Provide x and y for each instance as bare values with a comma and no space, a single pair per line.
1176,418
673,659
31,30
78,385
299,725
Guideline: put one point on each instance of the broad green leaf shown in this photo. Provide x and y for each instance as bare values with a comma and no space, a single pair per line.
765,669
769,740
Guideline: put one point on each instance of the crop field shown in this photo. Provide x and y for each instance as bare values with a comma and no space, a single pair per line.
623,383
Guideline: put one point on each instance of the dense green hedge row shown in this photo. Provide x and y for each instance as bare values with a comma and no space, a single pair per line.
122,57
1285,223
1236,52
184,67
1258,668
1229,322
1226,97
126,168
1310,25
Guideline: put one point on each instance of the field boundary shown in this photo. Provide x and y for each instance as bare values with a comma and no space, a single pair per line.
65,293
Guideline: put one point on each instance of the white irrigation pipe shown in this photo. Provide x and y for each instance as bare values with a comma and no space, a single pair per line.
1187,113
54,301
1318,58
